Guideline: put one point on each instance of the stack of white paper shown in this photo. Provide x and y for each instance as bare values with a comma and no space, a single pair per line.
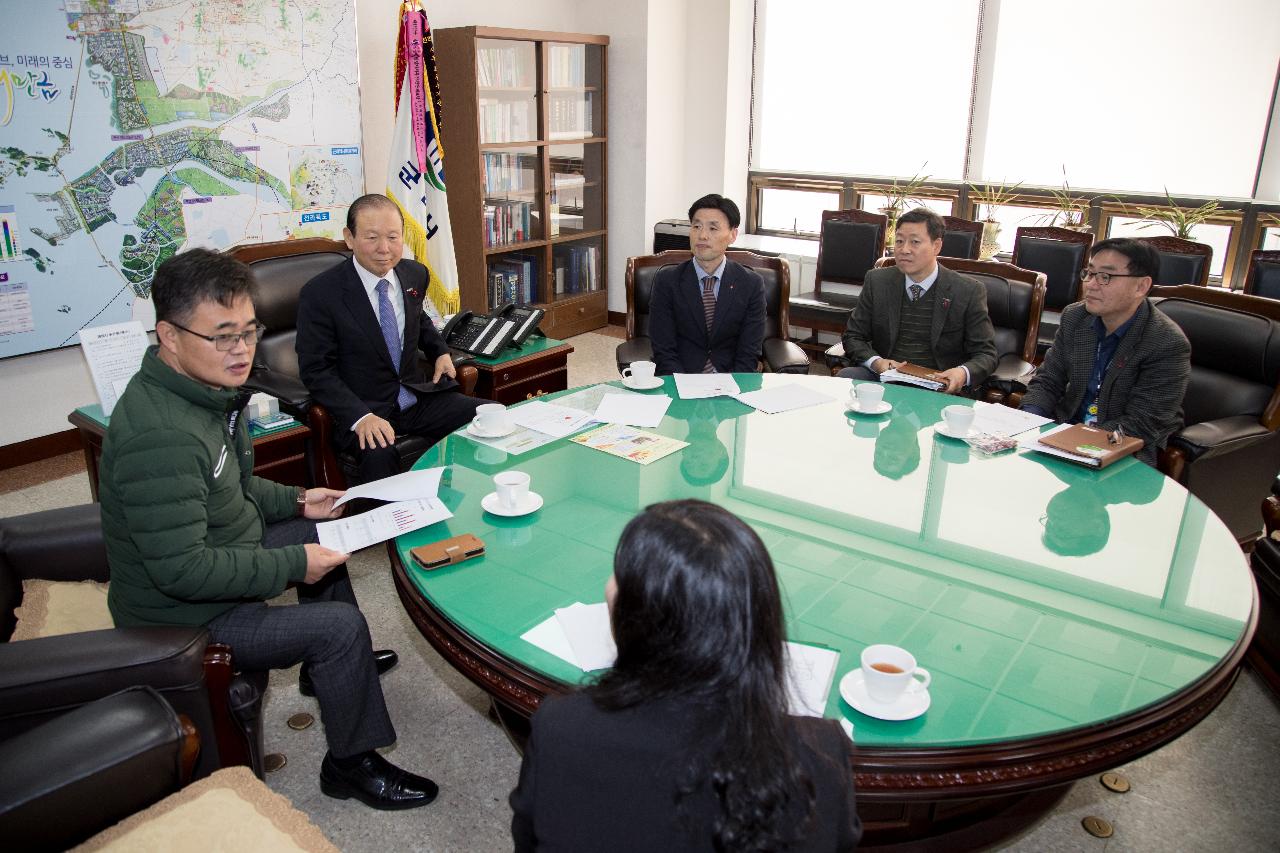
698,386
579,634
409,486
783,398
386,522
998,418
893,375
638,410
810,670
550,419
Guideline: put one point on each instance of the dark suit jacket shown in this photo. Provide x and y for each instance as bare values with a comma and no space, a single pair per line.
342,357
606,780
1141,391
961,335
678,331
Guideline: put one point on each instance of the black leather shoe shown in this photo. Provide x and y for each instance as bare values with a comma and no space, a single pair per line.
383,658
377,783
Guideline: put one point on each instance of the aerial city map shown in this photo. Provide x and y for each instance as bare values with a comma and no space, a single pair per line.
132,129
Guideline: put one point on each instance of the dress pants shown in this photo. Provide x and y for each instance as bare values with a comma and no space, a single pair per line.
327,631
433,417
858,371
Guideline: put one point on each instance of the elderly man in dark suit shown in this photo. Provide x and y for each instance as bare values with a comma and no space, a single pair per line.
706,315
919,311
1116,362
360,328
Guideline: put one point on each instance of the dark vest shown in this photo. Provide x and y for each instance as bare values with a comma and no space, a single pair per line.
915,326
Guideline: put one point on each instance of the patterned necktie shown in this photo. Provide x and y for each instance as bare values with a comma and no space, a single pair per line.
709,312
916,292
391,335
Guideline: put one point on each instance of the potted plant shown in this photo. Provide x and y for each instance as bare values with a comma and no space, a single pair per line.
897,197
1070,210
990,197
1181,221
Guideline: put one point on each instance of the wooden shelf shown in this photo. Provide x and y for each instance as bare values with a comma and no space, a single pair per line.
584,253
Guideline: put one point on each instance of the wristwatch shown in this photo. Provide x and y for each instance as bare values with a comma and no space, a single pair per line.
302,502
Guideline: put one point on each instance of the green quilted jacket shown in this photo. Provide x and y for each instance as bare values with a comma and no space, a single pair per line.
182,513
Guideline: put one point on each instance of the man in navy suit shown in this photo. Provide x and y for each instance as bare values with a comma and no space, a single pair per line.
706,315
360,328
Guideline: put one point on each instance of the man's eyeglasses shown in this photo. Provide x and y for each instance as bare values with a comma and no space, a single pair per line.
1104,278
227,342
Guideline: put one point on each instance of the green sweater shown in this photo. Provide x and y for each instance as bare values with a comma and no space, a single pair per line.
182,513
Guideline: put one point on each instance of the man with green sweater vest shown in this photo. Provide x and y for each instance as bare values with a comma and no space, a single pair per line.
194,538
919,311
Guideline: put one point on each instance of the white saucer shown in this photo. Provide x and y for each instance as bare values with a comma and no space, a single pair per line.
878,410
532,503
941,429
911,704
654,382
478,433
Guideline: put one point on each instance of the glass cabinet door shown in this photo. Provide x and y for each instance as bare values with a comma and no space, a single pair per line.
507,79
577,188
574,89
512,195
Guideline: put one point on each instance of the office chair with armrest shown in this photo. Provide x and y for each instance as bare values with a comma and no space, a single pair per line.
962,239
1181,261
1263,278
1059,253
1015,298
42,678
280,271
92,766
849,244
1264,652
1228,452
778,354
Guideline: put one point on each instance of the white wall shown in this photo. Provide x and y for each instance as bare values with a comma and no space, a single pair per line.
656,164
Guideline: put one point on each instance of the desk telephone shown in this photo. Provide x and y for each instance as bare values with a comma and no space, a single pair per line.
486,335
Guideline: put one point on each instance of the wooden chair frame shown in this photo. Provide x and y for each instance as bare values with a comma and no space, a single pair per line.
848,215
966,226
1178,246
1065,235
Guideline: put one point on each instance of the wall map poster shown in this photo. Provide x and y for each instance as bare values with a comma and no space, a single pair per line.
133,129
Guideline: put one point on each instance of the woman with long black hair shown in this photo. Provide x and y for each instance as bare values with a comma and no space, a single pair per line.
686,744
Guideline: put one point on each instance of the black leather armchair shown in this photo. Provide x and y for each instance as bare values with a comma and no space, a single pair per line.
1264,653
1229,451
778,354
280,270
1059,253
91,767
962,238
1263,277
1181,261
849,244
43,678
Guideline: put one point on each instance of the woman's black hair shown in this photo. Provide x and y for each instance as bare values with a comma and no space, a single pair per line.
698,615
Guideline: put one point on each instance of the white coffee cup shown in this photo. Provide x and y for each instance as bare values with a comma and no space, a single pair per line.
640,372
492,418
867,396
888,671
959,419
512,488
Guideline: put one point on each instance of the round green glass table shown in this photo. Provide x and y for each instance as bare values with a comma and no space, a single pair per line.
1072,619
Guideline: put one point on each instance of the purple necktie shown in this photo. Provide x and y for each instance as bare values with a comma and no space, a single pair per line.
390,334
709,312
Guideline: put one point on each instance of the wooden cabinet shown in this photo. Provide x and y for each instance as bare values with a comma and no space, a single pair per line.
523,128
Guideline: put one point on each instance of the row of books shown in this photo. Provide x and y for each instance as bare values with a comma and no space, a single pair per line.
508,172
274,422
512,279
566,64
507,121
569,117
502,66
507,221
576,269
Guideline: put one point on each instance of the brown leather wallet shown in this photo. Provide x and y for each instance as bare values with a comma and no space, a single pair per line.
446,552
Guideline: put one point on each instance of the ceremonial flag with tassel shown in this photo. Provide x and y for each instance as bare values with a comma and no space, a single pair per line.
416,176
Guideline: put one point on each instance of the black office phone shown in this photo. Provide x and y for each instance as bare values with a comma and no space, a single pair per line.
486,335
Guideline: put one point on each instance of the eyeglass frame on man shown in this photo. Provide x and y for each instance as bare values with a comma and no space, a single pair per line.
1104,278
229,338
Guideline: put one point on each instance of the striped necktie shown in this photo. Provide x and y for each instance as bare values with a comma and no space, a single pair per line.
916,292
391,335
709,312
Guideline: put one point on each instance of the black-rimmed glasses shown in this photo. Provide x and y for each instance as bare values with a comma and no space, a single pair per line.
227,342
1104,278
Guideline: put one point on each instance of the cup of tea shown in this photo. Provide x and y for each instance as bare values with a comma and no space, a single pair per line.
867,396
640,372
959,419
512,488
889,671
492,418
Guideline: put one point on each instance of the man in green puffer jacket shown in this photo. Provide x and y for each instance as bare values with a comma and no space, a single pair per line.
194,538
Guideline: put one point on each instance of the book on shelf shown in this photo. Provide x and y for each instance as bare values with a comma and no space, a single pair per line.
507,221
566,64
569,116
506,121
506,172
512,279
501,66
577,270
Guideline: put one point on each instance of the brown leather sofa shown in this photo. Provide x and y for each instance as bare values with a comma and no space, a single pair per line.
42,679
89,767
